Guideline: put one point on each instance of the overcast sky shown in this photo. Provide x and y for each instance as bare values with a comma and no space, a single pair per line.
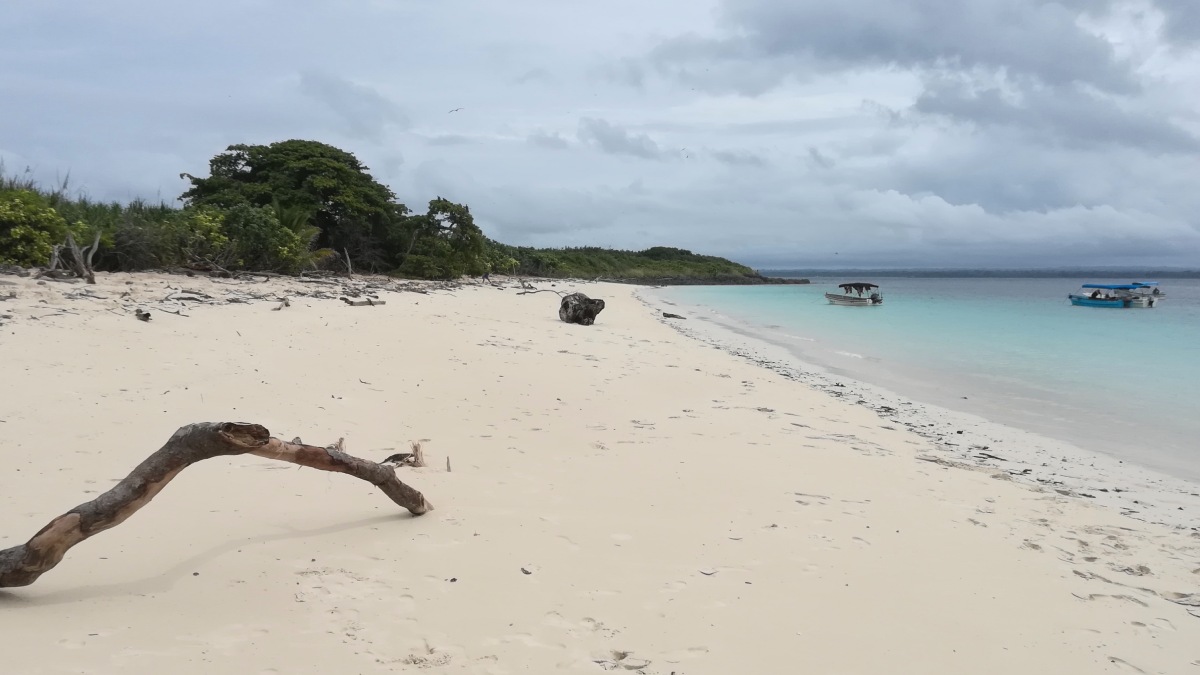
776,132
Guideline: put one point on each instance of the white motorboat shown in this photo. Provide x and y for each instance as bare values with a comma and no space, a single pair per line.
856,294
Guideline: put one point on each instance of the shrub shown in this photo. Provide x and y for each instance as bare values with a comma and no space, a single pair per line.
29,228
261,242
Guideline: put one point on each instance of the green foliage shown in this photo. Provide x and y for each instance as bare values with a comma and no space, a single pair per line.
146,236
259,241
29,228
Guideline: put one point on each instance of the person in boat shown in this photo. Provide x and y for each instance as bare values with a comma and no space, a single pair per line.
1096,294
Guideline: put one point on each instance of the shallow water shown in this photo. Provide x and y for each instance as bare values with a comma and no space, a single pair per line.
1121,381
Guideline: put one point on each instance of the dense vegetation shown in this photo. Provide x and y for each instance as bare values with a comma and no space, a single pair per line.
658,263
300,205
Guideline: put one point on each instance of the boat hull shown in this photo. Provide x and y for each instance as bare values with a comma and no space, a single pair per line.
853,300
1117,303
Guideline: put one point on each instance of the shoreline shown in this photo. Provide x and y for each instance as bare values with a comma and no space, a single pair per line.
964,439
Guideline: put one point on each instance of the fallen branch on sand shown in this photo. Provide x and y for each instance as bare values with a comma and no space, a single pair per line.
365,302
22,565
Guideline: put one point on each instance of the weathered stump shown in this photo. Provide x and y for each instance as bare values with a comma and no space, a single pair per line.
579,308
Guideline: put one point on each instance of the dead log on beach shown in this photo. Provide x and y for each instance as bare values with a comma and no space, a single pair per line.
365,302
22,565
579,308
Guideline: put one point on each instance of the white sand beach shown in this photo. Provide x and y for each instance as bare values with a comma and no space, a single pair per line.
621,497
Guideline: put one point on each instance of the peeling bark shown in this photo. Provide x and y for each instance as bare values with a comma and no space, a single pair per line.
22,565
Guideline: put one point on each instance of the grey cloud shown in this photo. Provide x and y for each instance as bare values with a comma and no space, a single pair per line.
1068,115
1182,19
739,158
819,158
1021,38
451,139
365,112
617,141
545,139
534,76
627,71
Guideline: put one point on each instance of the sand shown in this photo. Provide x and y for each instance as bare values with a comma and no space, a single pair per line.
622,497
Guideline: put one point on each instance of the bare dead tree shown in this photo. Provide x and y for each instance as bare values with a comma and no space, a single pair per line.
81,260
22,565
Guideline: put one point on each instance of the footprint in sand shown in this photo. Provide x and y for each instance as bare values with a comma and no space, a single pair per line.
674,586
556,620
404,605
72,644
1160,625
1106,596
685,654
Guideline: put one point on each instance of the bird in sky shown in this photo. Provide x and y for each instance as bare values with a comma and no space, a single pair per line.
455,110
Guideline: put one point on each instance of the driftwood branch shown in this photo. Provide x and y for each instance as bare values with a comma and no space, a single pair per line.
22,565
91,251
79,260
366,302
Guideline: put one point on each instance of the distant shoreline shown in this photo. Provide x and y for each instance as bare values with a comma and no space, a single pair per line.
708,281
1041,273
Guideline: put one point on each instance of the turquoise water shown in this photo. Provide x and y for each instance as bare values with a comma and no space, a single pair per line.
1121,381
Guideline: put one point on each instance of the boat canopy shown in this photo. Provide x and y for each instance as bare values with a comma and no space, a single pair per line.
859,287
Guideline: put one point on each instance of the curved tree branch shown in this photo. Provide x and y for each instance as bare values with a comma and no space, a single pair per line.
22,565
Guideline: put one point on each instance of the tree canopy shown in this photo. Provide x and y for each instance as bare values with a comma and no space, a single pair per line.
351,210
314,184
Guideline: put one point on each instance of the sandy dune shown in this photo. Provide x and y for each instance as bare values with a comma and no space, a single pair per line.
621,498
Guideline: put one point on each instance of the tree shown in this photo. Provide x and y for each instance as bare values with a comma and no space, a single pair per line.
343,201
443,243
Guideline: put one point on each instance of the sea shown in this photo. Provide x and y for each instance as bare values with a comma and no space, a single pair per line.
1123,382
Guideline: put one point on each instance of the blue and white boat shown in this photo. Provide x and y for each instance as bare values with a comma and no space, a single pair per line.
1118,296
